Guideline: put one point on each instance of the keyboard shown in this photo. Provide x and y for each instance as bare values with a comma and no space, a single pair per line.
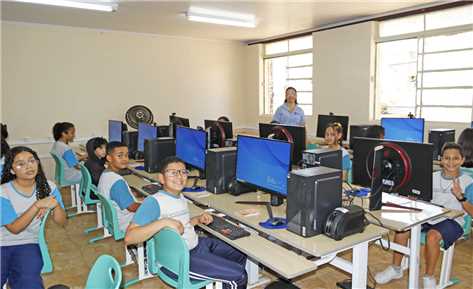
125,172
227,229
151,188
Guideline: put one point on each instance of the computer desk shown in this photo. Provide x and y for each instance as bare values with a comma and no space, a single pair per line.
283,261
403,221
321,248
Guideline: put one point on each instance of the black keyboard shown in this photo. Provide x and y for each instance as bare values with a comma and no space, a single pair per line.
151,188
125,172
227,229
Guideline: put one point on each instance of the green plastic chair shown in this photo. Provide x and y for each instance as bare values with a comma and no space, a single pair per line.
43,246
105,274
61,182
86,189
167,249
110,219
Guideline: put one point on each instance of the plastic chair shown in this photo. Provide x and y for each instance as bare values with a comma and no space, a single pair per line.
167,249
61,183
86,189
43,246
105,274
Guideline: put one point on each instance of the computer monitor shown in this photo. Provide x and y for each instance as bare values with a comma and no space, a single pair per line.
406,166
360,131
227,126
145,131
403,129
176,121
264,163
163,130
115,130
191,146
323,120
297,133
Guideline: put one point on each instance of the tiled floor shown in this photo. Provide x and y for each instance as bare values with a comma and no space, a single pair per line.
73,257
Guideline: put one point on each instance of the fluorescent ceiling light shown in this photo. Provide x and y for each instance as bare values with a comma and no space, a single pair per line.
96,5
221,17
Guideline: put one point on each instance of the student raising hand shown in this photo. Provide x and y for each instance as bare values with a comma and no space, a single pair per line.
456,188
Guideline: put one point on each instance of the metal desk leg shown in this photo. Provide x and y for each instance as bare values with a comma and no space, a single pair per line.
414,257
360,266
254,278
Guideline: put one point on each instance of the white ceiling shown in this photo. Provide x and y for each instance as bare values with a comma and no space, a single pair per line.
166,17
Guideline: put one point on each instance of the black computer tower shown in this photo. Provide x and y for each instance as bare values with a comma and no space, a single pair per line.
325,157
156,150
130,138
438,137
312,194
220,169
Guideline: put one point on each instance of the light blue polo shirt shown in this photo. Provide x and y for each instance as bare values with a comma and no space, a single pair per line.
284,116
65,152
13,204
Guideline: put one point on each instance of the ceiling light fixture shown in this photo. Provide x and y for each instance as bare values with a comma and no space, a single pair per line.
106,7
221,17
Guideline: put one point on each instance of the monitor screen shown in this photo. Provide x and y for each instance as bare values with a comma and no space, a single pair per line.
145,131
264,163
403,129
324,120
115,129
191,145
298,134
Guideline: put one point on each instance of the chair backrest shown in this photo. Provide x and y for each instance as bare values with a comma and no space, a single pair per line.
59,170
43,246
86,186
105,274
167,249
110,218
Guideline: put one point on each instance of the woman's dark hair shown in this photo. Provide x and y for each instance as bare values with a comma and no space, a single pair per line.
42,187
59,128
4,130
452,146
167,161
98,142
290,88
4,145
223,118
465,140
338,128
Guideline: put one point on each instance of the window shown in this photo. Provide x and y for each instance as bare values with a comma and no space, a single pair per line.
424,66
288,63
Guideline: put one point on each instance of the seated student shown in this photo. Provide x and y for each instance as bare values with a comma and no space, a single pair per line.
209,258
449,189
64,133
333,138
375,131
25,196
465,140
114,187
96,152
4,145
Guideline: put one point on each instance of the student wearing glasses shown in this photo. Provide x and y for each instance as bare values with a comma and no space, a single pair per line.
25,197
209,258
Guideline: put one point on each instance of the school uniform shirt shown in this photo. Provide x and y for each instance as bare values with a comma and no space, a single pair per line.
115,188
13,204
346,161
442,194
284,116
166,205
65,152
2,162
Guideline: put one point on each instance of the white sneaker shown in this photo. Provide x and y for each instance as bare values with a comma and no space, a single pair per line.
388,275
429,282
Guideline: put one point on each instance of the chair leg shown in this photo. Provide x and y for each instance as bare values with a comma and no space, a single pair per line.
81,207
99,220
106,234
447,262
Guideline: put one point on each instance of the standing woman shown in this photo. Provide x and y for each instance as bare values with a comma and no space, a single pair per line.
289,113
25,197
64,133
4,146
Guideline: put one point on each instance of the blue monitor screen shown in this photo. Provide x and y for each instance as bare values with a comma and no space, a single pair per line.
264,163
403,129
145,131
191,145
114,130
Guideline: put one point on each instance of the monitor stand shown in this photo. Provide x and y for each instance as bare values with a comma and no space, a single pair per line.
272,222
194,188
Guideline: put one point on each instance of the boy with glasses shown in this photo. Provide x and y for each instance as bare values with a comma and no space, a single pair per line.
209,258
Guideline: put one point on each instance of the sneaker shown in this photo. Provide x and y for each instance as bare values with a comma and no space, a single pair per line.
389,274
429,282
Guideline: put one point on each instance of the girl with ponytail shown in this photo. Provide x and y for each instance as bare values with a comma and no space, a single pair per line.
64,133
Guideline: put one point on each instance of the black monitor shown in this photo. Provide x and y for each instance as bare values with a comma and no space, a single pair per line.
115,130
219,131
406,167
323,120
227,126
297,133
176,121
163,130
362,130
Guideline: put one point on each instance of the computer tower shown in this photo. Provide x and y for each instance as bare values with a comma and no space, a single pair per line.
438,137
326,157
220,169
156,150
312,194
130,138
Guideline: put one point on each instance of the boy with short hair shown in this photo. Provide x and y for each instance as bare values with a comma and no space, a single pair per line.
209,258
449,189
114,187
